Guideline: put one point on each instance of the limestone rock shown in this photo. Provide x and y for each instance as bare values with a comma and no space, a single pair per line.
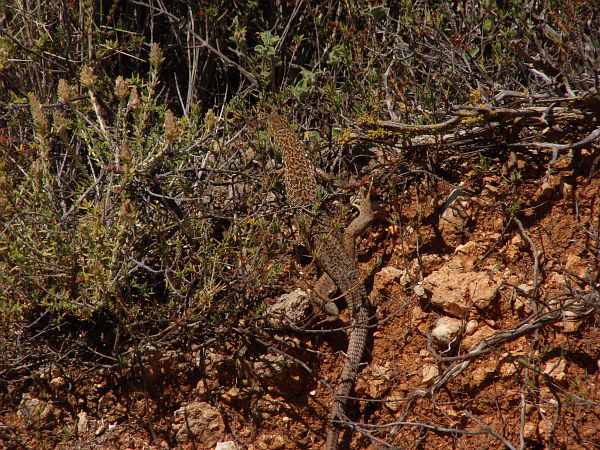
455,218
446,329
471,327
228,445
419,290
555,368
293,307
529,430
418,319
456,291
82,423
577,265
271,366
482,332
199,422
378,381
468,248
430,373
395,403
37,414
388,276
515,248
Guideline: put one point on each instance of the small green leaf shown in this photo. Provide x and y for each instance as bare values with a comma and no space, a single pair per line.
473,52
488,24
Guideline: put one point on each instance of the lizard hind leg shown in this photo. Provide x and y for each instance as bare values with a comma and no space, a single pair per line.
321,297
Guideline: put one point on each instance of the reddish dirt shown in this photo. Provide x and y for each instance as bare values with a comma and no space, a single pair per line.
503,394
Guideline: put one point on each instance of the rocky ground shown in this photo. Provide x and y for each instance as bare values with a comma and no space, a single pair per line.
485,335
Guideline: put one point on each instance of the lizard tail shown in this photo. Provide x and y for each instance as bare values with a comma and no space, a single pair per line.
356,345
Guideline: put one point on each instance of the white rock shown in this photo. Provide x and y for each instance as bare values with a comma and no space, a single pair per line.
101,428
525,288
82,422
555,368
419,291
293,307
471,327
446,329
430,373
228,445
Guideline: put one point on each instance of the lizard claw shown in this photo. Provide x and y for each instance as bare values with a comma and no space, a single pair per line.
362,200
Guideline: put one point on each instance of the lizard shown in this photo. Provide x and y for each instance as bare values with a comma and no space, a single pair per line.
328,248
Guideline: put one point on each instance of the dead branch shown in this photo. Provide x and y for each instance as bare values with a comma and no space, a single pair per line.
471,126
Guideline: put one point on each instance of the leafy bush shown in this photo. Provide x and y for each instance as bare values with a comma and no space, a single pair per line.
132,178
